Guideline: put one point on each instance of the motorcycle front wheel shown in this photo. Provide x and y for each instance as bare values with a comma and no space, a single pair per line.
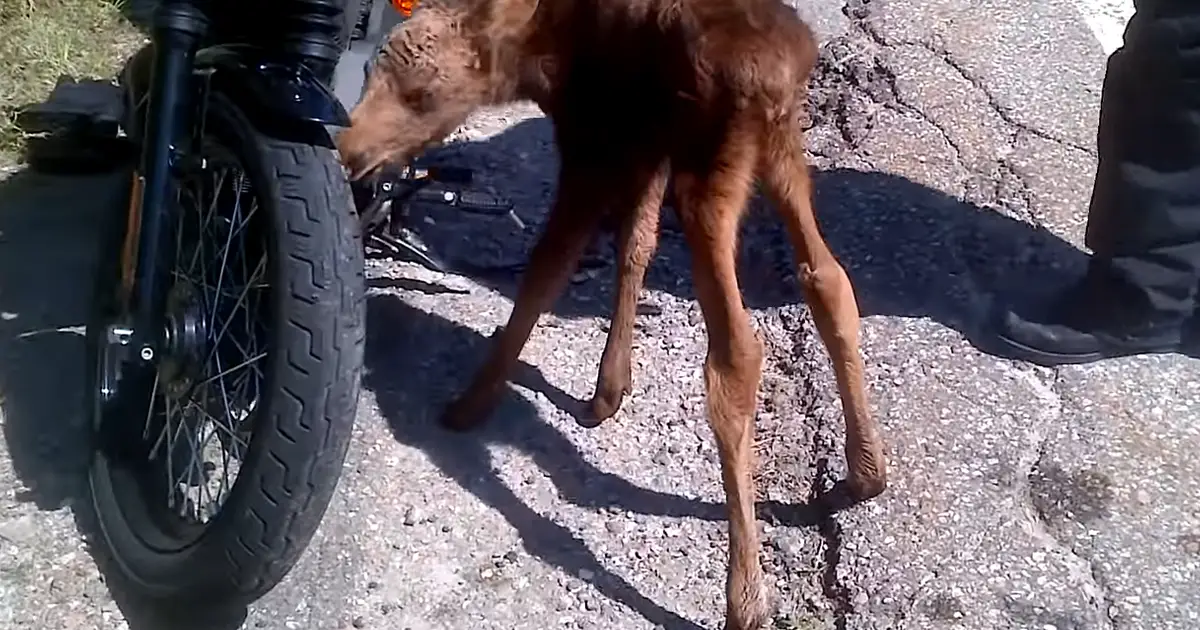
218,488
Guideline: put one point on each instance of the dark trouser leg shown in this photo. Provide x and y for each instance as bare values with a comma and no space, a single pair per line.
1144,220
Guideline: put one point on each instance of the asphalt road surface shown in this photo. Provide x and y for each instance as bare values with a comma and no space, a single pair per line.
955,145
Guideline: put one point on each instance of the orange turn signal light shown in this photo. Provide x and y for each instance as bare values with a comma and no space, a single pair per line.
404,7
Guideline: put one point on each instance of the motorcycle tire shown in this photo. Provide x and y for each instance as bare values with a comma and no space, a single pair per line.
297,434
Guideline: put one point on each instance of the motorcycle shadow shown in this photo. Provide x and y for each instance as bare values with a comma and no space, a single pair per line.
47,254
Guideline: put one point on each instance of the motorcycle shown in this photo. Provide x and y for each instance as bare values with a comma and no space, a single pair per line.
225,344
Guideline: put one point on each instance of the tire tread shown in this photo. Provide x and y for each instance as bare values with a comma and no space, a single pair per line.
289,503
301,440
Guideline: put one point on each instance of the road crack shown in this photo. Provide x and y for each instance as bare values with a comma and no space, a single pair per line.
797,379
1011,193
831,532
1001,109
868,76
852,83
859,13
1046,512
797,356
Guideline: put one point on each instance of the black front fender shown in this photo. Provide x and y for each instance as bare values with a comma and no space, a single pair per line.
282,99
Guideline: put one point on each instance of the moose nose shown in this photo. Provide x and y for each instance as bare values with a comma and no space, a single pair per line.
355,157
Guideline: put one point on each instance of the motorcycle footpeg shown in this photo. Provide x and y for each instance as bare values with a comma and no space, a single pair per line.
471,201
483,203
468,200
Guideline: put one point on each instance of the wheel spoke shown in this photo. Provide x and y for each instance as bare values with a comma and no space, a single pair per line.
237,206
244,364
216,340
210,379
237,441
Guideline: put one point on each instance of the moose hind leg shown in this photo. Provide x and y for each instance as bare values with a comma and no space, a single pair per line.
639,238
710,203
829,294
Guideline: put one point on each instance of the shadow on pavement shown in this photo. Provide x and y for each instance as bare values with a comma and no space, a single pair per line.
409,389
48,249
48,228
406,387
912,251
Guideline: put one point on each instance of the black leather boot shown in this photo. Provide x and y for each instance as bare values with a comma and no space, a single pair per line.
1144,217
1083,325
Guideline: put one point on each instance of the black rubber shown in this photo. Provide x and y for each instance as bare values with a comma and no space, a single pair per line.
302,432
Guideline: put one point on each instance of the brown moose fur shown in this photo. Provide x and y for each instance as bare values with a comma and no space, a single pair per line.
706,94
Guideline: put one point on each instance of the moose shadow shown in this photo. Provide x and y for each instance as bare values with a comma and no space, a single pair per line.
911,251
409,389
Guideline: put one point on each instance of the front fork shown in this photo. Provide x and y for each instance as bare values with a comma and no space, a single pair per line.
179,27
134,339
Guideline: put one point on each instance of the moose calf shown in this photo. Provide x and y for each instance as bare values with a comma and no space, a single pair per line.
705,94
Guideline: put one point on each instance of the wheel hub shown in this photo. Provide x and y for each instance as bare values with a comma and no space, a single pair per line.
185,338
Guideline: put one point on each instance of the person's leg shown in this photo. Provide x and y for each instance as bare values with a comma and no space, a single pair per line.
1144,219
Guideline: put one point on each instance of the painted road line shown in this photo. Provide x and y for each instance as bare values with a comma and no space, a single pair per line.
1107,19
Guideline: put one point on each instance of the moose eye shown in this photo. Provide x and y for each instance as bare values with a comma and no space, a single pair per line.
421,100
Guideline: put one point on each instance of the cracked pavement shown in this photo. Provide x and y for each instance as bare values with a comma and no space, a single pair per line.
954,142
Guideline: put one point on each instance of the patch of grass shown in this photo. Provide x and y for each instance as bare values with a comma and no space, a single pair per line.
41,40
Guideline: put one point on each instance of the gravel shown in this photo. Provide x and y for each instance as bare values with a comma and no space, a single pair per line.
1020,497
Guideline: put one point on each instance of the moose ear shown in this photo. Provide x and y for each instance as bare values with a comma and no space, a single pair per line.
498,19
538,75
